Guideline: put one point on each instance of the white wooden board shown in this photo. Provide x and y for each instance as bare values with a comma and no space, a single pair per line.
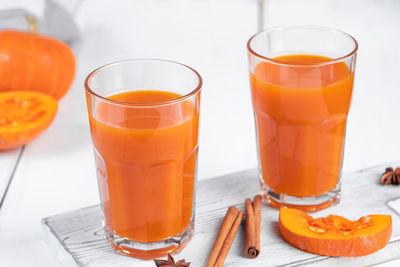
80,239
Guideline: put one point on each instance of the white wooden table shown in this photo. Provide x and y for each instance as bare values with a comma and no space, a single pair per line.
55,173
78,237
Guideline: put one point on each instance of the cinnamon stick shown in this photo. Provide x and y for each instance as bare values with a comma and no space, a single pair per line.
251,239
229,240
257,204
226,227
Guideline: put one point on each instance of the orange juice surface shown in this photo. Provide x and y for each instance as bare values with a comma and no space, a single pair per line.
146,159
301,112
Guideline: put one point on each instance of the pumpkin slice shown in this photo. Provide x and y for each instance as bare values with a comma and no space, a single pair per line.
23,116
335,235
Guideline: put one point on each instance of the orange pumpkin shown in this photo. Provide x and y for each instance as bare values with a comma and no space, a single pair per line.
34,62
335,235
24,116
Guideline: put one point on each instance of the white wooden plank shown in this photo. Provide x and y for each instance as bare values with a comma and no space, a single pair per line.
81,235
8,165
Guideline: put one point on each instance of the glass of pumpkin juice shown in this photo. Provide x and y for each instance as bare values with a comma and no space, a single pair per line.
301,83
144,119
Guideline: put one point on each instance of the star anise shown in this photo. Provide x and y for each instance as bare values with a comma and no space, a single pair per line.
391,176
171,262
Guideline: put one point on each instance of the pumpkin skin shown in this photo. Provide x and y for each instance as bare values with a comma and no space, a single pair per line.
34,62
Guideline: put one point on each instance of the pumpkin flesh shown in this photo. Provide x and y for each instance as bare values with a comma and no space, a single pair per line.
23,116
335,235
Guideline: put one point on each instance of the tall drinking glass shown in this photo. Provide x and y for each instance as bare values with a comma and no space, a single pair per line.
301,82
144,119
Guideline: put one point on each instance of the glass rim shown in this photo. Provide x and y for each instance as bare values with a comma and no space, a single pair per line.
90,91
309,27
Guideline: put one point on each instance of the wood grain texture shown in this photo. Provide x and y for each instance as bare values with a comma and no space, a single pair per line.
79,233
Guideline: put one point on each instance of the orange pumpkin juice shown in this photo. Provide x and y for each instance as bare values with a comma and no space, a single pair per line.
301,110
146,160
